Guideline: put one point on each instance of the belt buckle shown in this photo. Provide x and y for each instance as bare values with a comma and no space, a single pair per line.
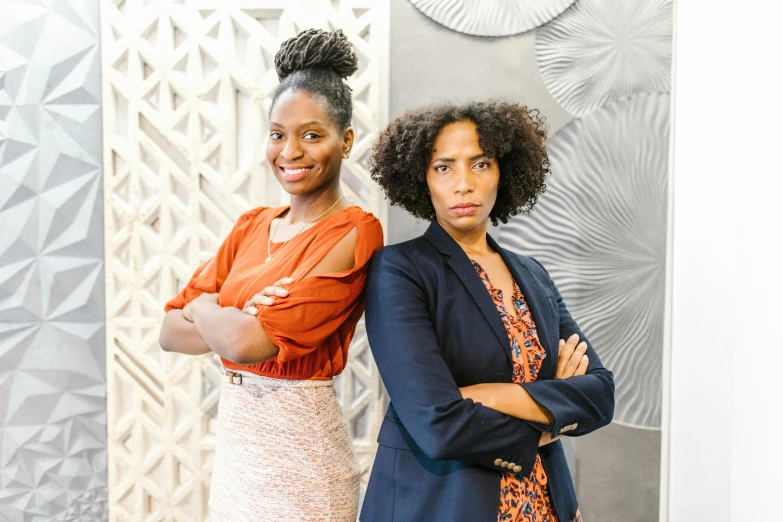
233,375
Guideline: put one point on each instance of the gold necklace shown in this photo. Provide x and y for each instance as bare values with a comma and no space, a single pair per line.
269,240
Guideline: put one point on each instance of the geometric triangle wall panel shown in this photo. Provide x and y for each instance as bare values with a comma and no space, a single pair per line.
186,93
53,458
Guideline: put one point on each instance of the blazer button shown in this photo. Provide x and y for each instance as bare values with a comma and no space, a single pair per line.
498,462
570,427
517,469
511,465
504,464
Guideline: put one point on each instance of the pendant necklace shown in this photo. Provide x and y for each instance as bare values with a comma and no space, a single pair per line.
269,241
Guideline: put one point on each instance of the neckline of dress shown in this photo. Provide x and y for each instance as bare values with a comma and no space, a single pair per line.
282,209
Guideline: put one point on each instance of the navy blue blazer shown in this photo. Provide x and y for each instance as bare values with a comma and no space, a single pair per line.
434,328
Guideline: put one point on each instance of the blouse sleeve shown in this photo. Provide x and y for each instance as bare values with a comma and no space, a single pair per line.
316,307
209,277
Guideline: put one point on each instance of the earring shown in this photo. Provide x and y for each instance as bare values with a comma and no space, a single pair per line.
345,155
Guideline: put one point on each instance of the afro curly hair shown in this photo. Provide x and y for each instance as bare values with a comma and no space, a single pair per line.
512,134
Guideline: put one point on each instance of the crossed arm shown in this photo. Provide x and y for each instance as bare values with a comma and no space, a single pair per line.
513,400
577,401
204,326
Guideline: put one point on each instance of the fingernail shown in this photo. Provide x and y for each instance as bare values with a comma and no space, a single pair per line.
252,311
574,336
562,342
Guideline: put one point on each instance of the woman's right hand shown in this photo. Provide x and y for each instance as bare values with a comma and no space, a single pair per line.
571,360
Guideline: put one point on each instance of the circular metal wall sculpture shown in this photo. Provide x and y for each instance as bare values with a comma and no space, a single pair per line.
492,17
601,50
600,229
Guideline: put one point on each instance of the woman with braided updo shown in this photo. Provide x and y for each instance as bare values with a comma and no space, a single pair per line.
279,303
485,367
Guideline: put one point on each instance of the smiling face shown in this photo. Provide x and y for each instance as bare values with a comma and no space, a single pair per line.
305,146
462,180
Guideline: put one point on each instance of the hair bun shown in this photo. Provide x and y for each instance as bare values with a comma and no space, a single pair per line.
316,49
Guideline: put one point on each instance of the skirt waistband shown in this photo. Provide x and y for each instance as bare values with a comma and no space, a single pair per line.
240,377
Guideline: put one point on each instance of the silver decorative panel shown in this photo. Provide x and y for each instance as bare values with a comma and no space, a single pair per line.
187,88
602,50
492,17
600,229
52,351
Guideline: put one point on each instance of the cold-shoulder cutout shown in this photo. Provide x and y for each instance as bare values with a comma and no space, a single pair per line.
341,258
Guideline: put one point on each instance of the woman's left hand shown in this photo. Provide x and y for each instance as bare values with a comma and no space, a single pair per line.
187,312
267,296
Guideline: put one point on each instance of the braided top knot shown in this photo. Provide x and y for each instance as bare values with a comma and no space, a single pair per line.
316,49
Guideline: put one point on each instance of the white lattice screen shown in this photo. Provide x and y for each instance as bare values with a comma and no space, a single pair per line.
186,89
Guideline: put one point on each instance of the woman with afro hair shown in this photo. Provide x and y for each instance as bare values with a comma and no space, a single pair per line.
484,365
279,304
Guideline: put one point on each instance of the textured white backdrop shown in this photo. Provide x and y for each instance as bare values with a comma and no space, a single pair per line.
602,50
52,355
492,17
600,229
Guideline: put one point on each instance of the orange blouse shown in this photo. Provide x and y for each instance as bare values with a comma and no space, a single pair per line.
314,324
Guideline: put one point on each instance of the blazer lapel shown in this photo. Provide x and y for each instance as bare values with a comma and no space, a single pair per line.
541,308
475,286
462,266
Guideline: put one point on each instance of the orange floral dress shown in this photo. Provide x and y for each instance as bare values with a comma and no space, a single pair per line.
522,498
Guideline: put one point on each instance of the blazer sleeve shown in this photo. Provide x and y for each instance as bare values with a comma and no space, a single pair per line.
582,404
421,387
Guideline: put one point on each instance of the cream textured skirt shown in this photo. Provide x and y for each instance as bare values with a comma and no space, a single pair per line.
283,453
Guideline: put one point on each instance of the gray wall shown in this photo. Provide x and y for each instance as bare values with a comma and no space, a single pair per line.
617,468
52,346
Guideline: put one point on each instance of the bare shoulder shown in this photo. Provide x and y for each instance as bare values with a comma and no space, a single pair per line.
340,258
343,252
